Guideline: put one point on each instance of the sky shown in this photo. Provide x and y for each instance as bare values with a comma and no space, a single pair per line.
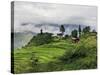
32,16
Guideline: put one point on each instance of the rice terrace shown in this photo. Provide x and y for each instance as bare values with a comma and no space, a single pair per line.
46,42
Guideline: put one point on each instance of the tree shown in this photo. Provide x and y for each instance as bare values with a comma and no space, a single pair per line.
66,36
86,29
34,59
39,39
94,31
79,30
62,29
74,33
41,31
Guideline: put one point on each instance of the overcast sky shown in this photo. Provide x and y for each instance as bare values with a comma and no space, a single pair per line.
29,14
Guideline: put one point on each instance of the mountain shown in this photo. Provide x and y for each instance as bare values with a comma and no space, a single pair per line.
22,38
68,27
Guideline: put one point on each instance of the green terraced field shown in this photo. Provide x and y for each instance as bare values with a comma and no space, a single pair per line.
49,55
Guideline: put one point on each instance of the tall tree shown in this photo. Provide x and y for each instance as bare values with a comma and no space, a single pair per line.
86,29
41,31
80,30
62,29
74,33
94,31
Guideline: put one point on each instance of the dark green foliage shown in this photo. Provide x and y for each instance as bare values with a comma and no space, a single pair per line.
54,66
41,39
75,54
80,30
47,67
86,29
34,62
36,66
62,29
41,31
93,31
34,59
81,57
74,33
66,36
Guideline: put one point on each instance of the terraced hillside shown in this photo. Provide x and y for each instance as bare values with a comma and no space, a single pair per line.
61,54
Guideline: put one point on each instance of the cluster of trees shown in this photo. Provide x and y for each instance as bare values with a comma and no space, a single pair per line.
45,38
75,32
42,38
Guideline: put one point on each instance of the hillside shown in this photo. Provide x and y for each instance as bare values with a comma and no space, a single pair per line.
58,55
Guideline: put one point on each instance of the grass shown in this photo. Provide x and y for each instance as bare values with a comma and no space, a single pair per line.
58,55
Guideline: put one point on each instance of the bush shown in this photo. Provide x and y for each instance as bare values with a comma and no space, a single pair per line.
72,55
86,29
74,33
47,67
41,39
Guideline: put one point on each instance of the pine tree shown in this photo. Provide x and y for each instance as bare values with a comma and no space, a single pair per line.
41,31
74,33
86,29
62,29
80,30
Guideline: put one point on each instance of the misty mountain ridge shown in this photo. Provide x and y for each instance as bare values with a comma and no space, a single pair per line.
21,38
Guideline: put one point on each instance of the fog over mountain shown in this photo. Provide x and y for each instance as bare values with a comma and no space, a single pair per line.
53,28
30,17
21,39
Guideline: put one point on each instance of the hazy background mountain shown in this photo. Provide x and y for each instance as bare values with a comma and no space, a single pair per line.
22,38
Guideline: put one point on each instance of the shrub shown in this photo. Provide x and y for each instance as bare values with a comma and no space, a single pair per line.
62,29
74,33
86,29
47,67
41,39
78,52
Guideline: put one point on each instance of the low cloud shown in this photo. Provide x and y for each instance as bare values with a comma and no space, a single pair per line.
29,16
